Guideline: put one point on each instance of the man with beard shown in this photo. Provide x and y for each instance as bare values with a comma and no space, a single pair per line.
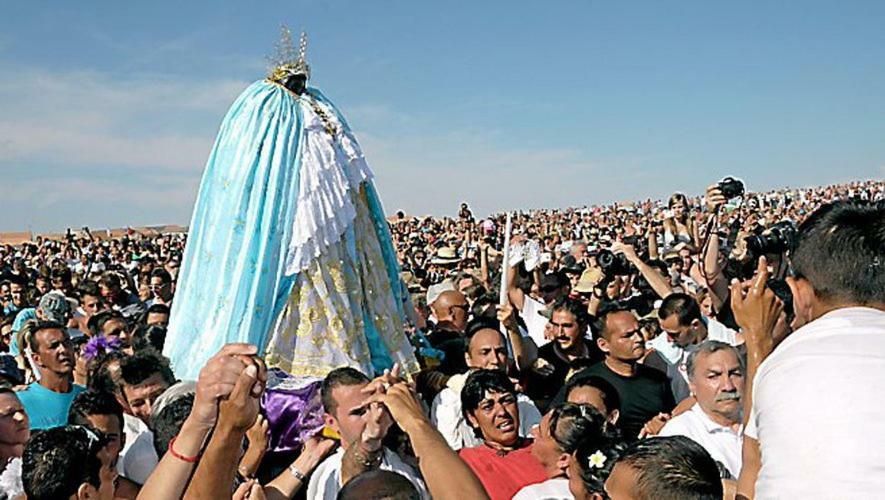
716,378
644,392
504,463
48,400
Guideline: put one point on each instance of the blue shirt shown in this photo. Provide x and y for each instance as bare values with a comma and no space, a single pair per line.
46,408
20,319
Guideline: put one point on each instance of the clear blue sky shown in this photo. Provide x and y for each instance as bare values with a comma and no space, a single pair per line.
108,110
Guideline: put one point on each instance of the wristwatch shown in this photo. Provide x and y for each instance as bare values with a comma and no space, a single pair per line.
296,473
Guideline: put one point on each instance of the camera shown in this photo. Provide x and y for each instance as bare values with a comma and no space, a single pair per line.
612,264
731,187
779,238
783,292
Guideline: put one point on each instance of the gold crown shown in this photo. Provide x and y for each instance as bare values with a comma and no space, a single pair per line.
287,62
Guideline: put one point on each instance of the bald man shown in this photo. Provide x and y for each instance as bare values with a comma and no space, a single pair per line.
451,311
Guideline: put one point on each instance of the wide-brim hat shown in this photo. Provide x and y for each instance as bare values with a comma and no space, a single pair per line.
588,280
445,255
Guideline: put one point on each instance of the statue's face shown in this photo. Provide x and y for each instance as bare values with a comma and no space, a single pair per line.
297,84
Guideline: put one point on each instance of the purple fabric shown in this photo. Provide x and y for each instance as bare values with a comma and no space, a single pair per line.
293,416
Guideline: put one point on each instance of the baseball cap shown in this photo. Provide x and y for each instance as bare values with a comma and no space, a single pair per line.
434,291
55,307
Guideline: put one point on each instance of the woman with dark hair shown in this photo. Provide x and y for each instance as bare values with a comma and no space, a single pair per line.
505,462
560,433
590,465
679,227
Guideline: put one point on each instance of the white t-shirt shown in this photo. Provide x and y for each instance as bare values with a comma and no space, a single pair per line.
446,416
138,458
551,489
818,412
535,323
722,443
326,479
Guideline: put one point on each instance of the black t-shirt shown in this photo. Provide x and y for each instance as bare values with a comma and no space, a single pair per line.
453,345
543,389
642,396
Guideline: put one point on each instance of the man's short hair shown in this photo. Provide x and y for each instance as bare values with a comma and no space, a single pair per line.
709,347
92,402
684,306
379,484
849,236
110,279
149,337
345,376
88,288
476,325
100,376
166,424
481,382
672,467
57,461
575,307
598,325
161,273
609,393
144,364
97,322
32,328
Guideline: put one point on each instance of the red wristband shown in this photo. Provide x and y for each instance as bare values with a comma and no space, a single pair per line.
190,460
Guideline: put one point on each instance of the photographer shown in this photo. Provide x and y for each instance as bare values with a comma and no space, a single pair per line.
655,279
838,289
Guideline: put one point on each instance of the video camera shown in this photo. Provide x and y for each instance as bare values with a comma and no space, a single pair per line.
779,238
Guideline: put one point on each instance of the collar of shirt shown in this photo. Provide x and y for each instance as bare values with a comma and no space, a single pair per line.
710,425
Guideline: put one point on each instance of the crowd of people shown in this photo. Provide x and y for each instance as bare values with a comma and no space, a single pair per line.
719,346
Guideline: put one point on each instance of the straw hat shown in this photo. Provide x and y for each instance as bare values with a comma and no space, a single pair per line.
588,280
446,255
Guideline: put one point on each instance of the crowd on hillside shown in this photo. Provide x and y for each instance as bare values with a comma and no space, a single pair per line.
706,346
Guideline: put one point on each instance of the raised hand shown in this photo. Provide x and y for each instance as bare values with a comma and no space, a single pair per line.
403,404
240,409
507,316
714,198
757,310
217,379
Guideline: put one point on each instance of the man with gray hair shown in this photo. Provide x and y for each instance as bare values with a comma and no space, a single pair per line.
716,380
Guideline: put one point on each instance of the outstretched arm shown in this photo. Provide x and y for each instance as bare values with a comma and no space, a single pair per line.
447,476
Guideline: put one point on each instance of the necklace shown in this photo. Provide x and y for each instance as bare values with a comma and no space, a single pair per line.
502,452
330,127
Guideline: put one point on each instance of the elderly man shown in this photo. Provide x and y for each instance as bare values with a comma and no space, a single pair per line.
683,328
362,427
716,378
486,349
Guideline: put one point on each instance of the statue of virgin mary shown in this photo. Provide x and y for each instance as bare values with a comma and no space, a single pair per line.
288,247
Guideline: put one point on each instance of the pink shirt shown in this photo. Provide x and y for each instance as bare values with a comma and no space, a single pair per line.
504,474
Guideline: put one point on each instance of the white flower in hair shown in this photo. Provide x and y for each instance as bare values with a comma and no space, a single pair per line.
597,460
